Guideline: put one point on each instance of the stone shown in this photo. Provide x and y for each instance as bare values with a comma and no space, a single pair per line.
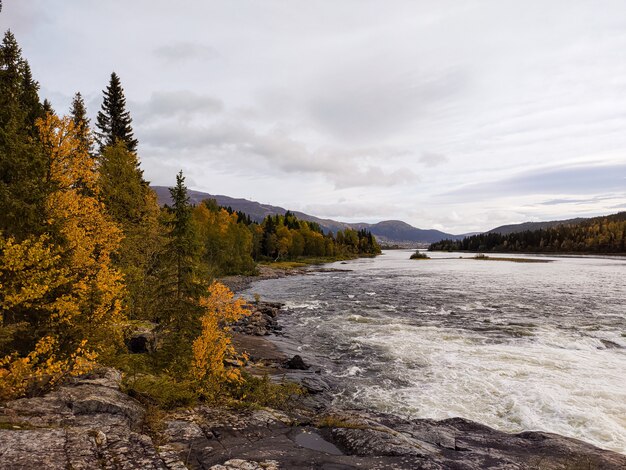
297,363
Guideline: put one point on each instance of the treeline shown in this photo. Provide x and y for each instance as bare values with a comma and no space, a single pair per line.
232,243
597,235
86,253
284,236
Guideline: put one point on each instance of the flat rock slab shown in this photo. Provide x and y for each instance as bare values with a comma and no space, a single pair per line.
91,424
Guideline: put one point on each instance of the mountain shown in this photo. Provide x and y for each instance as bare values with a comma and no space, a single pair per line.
387,232
396,231
529,226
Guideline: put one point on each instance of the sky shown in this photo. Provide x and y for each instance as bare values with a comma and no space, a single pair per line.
459,116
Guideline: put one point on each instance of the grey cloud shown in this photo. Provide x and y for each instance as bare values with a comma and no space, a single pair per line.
183,51
574,180
352,211
242,145
180,104
591,200
363,103
430,159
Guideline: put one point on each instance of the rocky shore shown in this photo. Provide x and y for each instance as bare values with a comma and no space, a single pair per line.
91,424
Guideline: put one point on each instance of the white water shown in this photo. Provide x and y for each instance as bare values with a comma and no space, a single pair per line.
511,345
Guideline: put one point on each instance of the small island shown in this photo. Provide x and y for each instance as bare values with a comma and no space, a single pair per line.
419,255
483,257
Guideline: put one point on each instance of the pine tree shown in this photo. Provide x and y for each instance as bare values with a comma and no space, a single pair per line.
121,183
78,113
47,107
22,162
185,245
113,120
134,207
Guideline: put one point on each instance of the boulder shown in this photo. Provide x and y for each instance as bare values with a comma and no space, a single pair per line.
297,363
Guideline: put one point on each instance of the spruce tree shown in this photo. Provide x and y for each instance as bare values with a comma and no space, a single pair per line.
185,245
22,162
81,122
133,206
47,107
113,120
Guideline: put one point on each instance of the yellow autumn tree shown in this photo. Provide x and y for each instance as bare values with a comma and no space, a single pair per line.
213,346
87,236
60,295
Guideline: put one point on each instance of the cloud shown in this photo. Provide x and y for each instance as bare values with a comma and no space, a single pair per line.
372,100
571,179
351,211
176,104
592,200
237,144
430,159
185,51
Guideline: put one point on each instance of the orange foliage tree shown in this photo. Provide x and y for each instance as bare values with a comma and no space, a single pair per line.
60,296
213,347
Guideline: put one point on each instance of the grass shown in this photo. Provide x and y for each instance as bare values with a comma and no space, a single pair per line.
158,390
16,426
330,421
259,392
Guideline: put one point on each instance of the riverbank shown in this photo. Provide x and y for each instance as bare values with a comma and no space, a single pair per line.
90,423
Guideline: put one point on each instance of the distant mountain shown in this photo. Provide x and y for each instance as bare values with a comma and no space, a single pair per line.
526,226
387,232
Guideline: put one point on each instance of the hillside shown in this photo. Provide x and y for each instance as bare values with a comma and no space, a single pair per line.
605,234
530,226
388,231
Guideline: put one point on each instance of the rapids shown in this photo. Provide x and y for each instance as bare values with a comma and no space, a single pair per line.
515,346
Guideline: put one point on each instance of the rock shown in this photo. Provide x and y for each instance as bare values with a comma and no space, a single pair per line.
297,363
91,424
460,443
240,464
87,424
142,339
611,344
261,321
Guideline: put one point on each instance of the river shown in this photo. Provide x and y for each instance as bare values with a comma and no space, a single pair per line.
515,346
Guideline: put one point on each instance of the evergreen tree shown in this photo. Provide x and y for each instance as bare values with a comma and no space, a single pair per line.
78,113
122,185
113,120
22,162
184,242
47,107
134,207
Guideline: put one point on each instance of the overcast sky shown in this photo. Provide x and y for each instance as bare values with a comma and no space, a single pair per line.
456,115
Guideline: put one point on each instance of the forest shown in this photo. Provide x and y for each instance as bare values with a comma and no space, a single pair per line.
86,254
606,234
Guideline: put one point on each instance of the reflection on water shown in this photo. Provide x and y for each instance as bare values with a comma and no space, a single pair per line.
512,345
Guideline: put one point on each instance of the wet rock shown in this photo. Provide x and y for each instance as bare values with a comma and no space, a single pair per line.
296,363
460,443
611,344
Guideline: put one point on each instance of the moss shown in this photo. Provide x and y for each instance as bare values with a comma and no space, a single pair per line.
17,426
330,421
